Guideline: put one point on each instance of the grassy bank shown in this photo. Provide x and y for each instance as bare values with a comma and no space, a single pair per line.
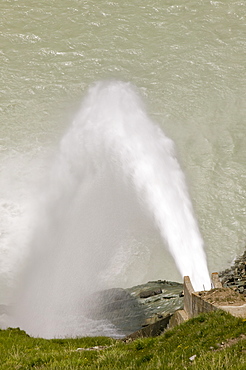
217,339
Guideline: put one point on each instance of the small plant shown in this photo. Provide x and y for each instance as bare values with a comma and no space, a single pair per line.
146,358
139,346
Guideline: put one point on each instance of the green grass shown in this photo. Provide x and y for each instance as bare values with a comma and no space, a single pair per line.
169,351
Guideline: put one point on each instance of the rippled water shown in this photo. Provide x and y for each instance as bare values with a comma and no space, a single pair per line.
188,60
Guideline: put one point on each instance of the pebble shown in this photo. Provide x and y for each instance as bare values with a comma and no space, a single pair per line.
192,358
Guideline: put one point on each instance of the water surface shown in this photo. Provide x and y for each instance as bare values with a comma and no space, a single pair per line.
188,61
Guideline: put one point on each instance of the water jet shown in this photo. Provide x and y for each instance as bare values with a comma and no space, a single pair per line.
114,175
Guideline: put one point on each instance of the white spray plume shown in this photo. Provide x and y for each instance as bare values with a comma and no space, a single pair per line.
114,166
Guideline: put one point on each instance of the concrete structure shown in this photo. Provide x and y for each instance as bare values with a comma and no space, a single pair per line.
152,330
194,304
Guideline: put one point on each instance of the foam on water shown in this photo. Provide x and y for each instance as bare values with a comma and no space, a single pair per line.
115,173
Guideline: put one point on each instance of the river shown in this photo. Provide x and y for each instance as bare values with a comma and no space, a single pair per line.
187,59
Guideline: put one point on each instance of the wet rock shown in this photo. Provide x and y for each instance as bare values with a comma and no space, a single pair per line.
150,293
118,307
138,307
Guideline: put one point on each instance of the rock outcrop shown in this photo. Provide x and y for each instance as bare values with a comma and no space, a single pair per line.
235,276
138,308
